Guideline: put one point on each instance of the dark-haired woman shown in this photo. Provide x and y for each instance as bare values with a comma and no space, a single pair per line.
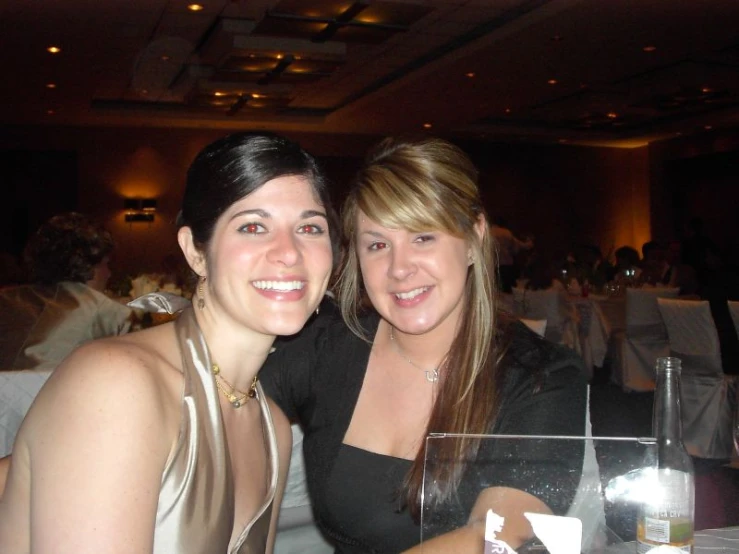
422,349
64,306
162,440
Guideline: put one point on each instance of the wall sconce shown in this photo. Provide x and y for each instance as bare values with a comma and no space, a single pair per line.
139,209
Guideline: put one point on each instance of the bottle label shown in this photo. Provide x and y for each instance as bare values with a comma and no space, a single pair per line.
667,516
644,548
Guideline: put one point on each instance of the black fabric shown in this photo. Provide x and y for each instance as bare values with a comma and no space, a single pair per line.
316,378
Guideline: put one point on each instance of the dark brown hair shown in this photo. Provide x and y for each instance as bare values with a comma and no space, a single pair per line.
66,248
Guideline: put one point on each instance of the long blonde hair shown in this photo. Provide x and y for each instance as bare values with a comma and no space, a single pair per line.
420,185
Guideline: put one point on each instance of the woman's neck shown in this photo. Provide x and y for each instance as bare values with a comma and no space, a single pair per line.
238,352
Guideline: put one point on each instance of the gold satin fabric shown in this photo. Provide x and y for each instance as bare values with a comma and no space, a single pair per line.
196,502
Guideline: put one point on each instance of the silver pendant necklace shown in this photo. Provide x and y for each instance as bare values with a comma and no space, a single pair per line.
432,375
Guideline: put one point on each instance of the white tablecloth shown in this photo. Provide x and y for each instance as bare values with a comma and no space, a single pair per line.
599,317
17,391
717,541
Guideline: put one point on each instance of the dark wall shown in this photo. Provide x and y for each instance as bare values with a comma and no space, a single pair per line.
698,177
36,185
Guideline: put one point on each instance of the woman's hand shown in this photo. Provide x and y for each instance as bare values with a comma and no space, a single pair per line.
509,503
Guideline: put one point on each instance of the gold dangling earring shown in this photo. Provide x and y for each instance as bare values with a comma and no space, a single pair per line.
201,293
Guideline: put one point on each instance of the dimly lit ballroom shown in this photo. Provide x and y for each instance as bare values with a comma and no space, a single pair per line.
604,137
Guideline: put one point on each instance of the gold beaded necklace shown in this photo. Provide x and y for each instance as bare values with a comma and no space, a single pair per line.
236,397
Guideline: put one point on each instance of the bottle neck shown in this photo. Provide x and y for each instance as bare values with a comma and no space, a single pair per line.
666,422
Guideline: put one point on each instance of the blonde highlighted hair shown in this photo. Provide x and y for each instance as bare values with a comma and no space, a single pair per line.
421,185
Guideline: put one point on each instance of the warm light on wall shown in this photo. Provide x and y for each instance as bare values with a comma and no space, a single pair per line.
139,209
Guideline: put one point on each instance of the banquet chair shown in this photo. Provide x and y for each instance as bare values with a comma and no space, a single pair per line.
297,532
708,396
635,350
552,306
17,391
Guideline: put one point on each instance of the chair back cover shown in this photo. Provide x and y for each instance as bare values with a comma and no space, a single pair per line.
644,340
708,396
642,309
552,306
17,391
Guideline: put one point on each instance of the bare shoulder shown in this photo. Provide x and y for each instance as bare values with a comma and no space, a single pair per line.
131,381
130,364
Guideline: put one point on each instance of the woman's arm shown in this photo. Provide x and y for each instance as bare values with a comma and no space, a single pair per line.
98,437
545,395
506,502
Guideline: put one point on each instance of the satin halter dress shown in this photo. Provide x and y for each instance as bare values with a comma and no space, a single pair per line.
195,514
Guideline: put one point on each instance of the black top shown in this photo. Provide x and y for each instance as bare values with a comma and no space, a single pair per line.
316,377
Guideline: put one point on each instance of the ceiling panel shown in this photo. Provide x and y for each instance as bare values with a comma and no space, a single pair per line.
467,67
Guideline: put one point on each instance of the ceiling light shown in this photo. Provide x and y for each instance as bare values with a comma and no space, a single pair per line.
50,85
219,93
507,110
706,90
612,115
471,74
649,48
50,112
708,127
552,81
427,125
53,49
194,7
165,58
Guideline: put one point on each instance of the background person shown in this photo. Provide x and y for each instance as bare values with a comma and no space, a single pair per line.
507,246
64,307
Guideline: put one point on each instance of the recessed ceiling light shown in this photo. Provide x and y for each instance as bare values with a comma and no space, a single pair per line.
470,74
612,115
53,49
507,110
649,48
708,127
194,7
219,93
706,90
50,85
552,81
427,125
